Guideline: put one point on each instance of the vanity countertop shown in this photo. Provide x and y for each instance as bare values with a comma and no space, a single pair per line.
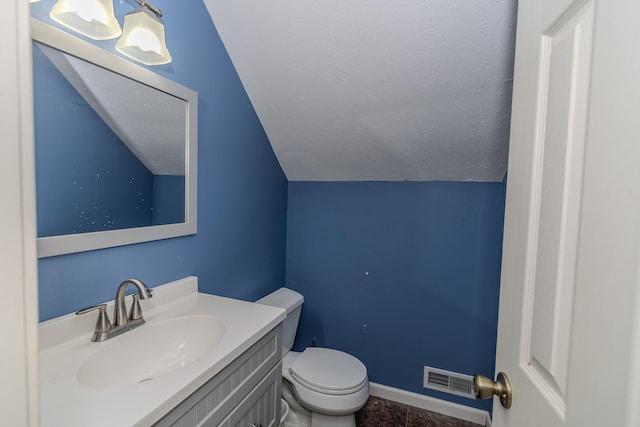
65,345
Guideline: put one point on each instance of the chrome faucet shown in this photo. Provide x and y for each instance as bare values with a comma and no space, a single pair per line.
120,310
121,323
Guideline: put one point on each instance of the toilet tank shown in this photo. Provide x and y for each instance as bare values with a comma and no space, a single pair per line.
292,302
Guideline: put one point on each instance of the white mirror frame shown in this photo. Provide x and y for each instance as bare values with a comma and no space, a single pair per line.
72,243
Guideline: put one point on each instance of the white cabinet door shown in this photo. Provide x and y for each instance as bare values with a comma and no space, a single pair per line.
567,330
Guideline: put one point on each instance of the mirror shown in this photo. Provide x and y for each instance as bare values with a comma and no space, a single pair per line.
115,148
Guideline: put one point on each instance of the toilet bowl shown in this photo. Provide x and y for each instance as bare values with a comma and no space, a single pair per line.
298,415
284,411
331,384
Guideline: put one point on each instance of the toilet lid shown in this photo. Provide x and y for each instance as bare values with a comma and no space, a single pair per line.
329,371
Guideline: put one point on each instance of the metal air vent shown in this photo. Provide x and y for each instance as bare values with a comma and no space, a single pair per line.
449,382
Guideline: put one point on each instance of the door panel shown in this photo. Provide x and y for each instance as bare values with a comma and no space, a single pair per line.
555,212
18,303
569,288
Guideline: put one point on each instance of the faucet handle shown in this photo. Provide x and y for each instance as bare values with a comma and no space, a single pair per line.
103,324
136,312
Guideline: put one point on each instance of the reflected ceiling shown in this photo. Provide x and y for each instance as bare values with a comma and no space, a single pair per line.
150,122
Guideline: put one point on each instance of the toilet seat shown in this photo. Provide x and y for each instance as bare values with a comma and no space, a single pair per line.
329,371
327,381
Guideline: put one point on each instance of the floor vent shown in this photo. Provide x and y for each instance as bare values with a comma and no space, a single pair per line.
449,382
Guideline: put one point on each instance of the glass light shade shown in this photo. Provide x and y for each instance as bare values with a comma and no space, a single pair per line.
143,38
91,18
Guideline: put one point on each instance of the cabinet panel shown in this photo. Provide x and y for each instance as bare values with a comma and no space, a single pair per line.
262,406
212,402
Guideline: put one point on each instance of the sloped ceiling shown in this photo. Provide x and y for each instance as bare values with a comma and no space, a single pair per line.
388,90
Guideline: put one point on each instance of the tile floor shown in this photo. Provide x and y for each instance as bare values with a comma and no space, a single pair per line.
380,412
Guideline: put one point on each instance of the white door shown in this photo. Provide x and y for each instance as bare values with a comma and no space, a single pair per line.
569,307
18,286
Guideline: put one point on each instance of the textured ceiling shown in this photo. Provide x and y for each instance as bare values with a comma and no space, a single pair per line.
388,90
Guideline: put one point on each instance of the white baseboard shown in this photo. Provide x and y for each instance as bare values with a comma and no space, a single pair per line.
432,404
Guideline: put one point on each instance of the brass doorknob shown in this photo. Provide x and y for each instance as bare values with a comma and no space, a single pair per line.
485,388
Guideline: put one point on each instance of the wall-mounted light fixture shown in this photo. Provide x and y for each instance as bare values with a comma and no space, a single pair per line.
143,37
92,18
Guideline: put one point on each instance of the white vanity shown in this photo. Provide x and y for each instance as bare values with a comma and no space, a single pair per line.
199,360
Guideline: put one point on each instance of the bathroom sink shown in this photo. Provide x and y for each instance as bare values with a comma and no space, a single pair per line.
136,378
151,351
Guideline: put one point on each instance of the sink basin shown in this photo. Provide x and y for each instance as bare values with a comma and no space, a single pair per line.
138,377
151,351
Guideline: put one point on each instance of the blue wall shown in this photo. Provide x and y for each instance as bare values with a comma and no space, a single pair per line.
239,250
168,199
402,275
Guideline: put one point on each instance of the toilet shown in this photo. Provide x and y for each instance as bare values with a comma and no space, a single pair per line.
329,384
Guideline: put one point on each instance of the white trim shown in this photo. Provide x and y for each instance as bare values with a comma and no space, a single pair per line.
633,395
19,303
432,404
